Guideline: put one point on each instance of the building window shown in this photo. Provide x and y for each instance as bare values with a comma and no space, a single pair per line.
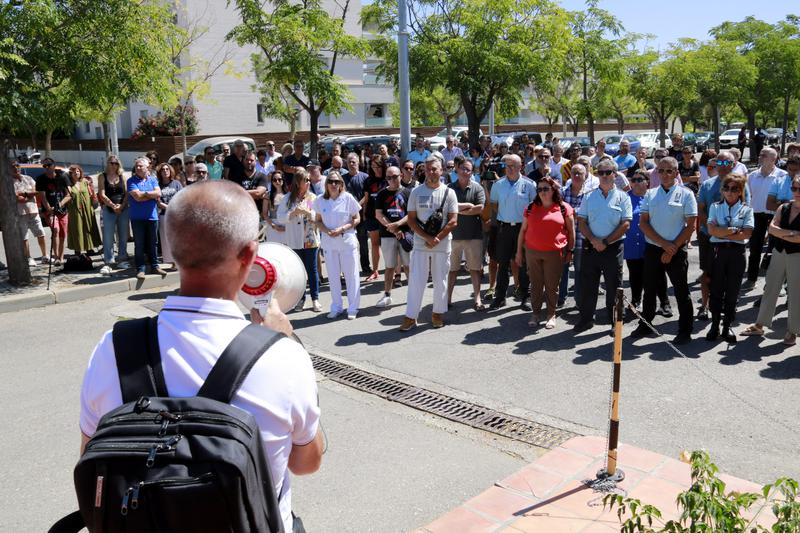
376,115
324,120
87,127
98,132
369,75
260,113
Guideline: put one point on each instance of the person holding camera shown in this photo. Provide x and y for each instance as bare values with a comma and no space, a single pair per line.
432,215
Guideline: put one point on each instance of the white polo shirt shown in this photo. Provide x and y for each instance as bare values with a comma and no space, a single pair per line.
280,390
759,187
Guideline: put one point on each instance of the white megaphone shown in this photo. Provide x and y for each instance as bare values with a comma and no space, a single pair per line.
277,273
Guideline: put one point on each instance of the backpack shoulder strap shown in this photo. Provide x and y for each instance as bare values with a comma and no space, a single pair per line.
234,364
138,358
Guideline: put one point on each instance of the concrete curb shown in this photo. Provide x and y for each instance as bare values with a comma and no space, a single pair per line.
74,293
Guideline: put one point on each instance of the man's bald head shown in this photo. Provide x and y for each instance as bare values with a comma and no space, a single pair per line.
210,222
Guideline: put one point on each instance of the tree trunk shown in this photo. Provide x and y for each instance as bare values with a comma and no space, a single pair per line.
473,121
662,129
106,138
672,125
715,120
314,128
620,123
590,125
19,273
785,122
48,143
751,127
575,125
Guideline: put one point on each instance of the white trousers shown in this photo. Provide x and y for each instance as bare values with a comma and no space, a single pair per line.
343,262
439,265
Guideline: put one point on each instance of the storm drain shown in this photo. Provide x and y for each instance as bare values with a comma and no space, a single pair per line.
454,409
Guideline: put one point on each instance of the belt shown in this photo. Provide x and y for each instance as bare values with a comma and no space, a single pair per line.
509,224
729,244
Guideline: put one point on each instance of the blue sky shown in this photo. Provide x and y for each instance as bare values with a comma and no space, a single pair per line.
670,20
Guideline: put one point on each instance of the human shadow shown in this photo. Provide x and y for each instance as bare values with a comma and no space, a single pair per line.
137,296
779,370
749,349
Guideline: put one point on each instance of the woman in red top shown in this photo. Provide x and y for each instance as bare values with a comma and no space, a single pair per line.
547,238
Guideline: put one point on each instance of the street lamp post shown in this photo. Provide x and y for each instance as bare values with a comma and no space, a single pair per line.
404,89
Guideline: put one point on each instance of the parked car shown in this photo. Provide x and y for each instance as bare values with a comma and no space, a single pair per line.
651,140
729,138
35,170
774,135
705,140
566,142
690,140
199,147
438,141
613,140
533,136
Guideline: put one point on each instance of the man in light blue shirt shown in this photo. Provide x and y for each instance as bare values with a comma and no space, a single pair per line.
419,154
451,151
625,159
509,198
668,215
603,218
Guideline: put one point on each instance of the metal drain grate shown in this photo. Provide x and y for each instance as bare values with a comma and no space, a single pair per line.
445,406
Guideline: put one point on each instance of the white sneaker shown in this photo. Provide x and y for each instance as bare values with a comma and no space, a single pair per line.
106,270
45,260
31,262
351,317
386,301
333,314
316,306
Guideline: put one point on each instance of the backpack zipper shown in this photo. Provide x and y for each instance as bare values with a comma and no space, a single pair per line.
189,416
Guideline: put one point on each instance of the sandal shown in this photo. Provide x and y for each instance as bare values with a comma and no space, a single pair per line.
479,306
790,339
753,330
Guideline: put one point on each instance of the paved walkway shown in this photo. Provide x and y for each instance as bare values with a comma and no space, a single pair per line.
548,495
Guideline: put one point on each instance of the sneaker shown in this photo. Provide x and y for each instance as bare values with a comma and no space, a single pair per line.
702,313
551,323
160,271
45,260
436,320
408,323
140,275
105,270
790,339
334,313
489,294
31,262
351,316
665,311
386,301
316,306
300,305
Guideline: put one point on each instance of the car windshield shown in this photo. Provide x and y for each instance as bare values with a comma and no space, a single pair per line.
631,138
731,132
611,139
198,148
647,136
774,130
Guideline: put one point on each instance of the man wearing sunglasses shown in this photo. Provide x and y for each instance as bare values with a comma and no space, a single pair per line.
667,219
213,166
603,218
711,192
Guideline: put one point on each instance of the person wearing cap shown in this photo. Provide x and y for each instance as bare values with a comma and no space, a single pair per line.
233,165
317,181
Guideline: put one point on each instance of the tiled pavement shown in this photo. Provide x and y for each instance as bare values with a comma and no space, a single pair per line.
548,496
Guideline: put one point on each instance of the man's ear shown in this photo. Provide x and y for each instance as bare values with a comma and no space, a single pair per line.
248,253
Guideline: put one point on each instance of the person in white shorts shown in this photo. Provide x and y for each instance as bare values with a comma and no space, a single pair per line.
391,211
336,218
431,252
28,213
468,235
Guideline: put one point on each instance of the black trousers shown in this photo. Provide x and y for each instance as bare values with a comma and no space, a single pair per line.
726,280
607,263
506,249
677,271
761,225
363,248
636,279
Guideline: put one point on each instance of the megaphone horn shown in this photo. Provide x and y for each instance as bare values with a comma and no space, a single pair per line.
277,273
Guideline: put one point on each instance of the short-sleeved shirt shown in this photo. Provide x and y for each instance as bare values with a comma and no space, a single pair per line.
624,162
417,157
335,214
547,229
469,226
280,390
147,209
355,184
235,166
512,198
372,186
781,189
55,189
685,172
605,213
394,206
27,185
632,170
425,201
258,179
668,210
169,190
214,170
294,161
710,192
726,216
575,201
759,187
634,237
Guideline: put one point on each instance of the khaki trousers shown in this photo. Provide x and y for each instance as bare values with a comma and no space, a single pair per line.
544,271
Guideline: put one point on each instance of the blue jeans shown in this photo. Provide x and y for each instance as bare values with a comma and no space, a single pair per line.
144,243
309,257
114,224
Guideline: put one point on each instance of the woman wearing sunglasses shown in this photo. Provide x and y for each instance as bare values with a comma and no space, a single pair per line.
785,265
730,225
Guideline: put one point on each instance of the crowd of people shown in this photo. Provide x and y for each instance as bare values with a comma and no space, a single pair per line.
542,215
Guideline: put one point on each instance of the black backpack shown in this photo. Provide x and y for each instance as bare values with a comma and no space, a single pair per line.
158,464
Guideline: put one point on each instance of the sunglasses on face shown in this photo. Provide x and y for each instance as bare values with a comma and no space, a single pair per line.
543,157
334,182
665,170
450,167
116,163
277,180
724,163
638,180
544,189
408,168
605,172
731,189
795,189
397,177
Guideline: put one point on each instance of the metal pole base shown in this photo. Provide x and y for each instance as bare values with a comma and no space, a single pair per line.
603,475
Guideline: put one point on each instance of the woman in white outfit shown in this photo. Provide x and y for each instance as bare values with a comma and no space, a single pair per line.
275,230
336,217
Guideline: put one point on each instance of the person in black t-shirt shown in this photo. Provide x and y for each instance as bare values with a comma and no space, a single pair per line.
294,161
53,186
233,165
391,212
375,181
253,181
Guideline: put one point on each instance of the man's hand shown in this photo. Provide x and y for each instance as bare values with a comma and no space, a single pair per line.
431,242
275,319
598,244
392,227
669,248
666,257
466,206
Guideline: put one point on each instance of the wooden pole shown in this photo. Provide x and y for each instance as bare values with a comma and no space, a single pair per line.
611,471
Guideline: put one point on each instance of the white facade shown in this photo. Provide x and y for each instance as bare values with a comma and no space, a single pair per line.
232,105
